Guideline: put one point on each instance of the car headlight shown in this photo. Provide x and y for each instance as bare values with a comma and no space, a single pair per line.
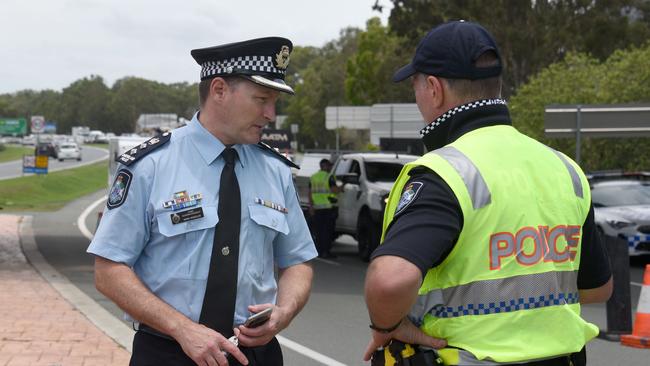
618,225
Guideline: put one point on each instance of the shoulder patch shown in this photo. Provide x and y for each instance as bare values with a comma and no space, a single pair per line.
409,194
137,152
275,153
119,189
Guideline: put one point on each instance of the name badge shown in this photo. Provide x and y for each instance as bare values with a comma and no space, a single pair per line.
184,216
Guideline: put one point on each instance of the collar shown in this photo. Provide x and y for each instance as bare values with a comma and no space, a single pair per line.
462,119
209,146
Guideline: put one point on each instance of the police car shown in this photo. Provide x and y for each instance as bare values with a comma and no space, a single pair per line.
622,207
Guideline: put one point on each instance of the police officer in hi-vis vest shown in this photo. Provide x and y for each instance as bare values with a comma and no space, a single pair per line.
323,207
489,246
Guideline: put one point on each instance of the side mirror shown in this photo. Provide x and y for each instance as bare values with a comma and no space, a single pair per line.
349,178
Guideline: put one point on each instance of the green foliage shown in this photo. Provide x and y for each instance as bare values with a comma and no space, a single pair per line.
371,147
370,70
12,152
533,34
52,191
321,82
581,79
89,102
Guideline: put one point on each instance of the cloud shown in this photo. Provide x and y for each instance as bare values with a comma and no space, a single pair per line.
49,44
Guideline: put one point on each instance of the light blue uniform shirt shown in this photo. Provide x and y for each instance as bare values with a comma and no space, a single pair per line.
173,260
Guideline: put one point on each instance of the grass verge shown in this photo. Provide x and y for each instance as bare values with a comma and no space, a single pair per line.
51,191
12,152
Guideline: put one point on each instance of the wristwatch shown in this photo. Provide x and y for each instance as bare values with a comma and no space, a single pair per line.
385,330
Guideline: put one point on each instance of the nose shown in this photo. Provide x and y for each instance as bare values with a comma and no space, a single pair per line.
269,112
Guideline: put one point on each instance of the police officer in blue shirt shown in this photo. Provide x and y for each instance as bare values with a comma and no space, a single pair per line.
198,218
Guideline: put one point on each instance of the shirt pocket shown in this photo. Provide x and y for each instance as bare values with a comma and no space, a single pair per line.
169,229
187,245
269,218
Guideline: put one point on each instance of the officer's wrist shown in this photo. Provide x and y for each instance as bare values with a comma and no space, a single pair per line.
384,329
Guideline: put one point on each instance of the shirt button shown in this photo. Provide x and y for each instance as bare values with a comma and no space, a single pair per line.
225,251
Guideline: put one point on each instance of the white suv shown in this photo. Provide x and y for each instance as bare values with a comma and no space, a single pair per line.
68,150
366,180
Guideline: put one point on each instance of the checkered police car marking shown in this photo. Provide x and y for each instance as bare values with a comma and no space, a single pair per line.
119,189
408,195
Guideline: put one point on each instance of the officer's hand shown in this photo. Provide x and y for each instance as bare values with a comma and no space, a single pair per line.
407,332
261,335
207,347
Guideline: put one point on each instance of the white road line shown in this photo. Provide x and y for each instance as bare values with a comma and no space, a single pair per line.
81,220
307,352
636,284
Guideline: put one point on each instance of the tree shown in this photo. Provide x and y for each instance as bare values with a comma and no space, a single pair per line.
371,68
84,103
532,34
582,79
319,84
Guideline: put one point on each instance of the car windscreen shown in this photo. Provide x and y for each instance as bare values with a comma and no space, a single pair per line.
68,146
377,171
621,195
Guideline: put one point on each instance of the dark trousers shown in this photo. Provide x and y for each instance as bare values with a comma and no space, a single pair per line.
324,224
151,350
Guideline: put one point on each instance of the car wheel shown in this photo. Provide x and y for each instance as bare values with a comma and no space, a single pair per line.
60,159
368,235
78,159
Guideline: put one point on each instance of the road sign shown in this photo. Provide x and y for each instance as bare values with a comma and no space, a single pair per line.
38,124
13,126
35,164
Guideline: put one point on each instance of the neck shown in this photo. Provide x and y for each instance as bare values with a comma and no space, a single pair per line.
210,121
461,119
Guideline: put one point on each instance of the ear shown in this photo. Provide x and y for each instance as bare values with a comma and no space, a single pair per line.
218,89
436,89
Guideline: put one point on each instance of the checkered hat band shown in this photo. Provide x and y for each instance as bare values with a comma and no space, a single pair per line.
261,64
461,108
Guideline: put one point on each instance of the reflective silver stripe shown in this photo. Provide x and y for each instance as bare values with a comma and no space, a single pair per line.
478,190
498,296
575,178
508,294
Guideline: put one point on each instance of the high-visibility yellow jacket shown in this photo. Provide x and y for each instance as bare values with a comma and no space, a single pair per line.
507,291
320,190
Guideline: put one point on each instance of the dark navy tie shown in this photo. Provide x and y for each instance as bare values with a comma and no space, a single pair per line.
221,290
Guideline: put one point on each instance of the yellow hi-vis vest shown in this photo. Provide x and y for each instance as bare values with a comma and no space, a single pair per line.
507,292
320,190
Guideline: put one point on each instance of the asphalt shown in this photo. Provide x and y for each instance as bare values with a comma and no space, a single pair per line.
334,323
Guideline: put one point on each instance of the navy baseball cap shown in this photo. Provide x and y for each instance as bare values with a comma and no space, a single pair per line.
263,61
450,51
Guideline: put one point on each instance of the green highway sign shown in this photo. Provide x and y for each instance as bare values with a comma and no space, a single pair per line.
13,126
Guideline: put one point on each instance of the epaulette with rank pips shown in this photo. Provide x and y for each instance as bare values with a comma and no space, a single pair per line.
134,154
277,154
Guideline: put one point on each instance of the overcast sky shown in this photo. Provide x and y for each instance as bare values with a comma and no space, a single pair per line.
48,44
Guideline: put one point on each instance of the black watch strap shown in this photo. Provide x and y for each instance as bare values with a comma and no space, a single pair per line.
385,330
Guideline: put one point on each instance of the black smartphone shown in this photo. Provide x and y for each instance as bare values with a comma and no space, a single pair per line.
258,319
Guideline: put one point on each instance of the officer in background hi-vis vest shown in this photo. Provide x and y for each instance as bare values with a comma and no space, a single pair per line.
323,207
489,245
